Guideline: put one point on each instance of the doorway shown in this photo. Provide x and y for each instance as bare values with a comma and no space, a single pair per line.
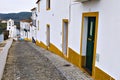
88,41
48,35
65,36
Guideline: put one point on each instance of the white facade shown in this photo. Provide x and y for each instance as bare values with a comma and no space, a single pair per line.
34,25
25,29
11,28
106,48
108,33
54,18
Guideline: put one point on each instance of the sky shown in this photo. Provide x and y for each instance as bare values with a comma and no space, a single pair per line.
15,6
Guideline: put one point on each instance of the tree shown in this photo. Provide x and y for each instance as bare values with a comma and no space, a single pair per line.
3,27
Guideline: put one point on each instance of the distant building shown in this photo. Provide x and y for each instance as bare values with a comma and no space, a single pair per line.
11,28
25,29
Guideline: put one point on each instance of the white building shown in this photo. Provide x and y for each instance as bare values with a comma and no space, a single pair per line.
84,32
34,27
25,29
11,28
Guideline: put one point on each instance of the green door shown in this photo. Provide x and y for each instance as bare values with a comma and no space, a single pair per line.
90,43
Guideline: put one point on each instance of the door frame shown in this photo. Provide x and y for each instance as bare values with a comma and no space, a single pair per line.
90,14
64,21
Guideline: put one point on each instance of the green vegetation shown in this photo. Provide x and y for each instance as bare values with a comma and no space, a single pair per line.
3,27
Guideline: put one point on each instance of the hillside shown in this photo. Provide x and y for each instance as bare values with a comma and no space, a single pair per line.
15,16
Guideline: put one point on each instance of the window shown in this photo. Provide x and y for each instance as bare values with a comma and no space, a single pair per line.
65,36
48,4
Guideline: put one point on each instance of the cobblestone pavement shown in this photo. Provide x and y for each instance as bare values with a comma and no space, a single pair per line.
26,61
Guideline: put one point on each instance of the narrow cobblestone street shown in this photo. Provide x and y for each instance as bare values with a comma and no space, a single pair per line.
26,63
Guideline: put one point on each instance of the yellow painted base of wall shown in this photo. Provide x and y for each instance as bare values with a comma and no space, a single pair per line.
41,44
27,39
73,57
30,40
83,61
101,75
55,50
37,43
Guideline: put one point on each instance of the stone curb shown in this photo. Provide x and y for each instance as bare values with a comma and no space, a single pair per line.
3,55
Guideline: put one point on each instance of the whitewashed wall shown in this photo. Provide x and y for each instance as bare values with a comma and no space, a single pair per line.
75,26
22,34
53,17
25,25
10,23
108,33
34,26
108,29
11,28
